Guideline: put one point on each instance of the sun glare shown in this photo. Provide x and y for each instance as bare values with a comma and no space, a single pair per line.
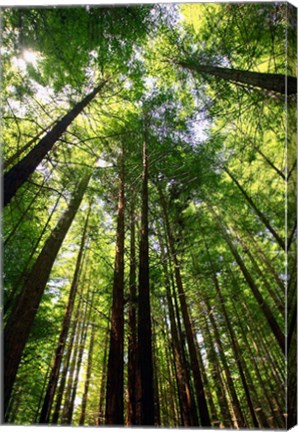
30,57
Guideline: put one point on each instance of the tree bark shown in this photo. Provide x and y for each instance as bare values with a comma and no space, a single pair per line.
20,172
200,393
114,394
145,403
25,147
132,328
266,81
48,400
20,321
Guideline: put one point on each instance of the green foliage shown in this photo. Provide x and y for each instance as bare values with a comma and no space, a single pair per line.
198,129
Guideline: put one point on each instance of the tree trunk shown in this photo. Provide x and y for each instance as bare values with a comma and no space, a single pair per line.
25,147
270,163
86,320
200,393
20,172
66,417
266,81
19,324
241,422
66,362
8,304
184,390
48,400
267,262
235,346
261,215
258,296
100,418
114,394
132,329
277,301
145,403
88,377
217,378
244,331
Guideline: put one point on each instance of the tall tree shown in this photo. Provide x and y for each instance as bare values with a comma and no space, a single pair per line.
20,172
145,402
273,82
114,394
20,321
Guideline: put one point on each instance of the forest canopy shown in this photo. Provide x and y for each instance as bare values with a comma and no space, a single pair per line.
149,215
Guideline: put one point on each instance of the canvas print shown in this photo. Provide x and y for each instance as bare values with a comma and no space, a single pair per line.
149,215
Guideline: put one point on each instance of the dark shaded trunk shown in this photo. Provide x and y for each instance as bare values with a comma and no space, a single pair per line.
20,321
145,403
88,377
132,328
41,398
157,419
20,172
200,393
258,296
25,147
48,400
266,81
114,394
261,215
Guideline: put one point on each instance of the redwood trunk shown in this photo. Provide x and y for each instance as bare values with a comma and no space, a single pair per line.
200,393
20,172
114,394
145,404
19,324
132,328
184,390
267,81
258,296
